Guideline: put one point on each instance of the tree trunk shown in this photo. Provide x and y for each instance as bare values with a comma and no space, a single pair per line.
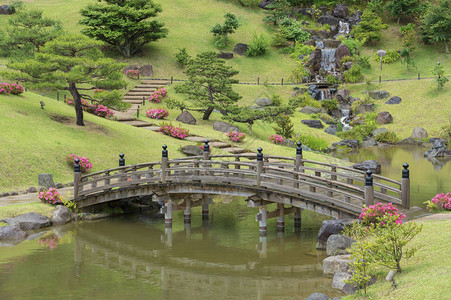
207,113
250,128
446,47
77,101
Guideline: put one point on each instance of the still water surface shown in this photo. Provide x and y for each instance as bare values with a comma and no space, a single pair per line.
136,257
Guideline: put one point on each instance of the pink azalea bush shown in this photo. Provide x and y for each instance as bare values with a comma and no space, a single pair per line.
51,196
85,164
439,202
176,132
157,113
5,88
276,139
158,95
235,136
103,111
375,213
98,91
13,88
132,74
98,110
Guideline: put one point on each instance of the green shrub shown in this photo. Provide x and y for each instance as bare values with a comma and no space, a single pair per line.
390,56
258,46
313,142
314,116
248,3
358,132
182,56
357,103
327,118
284,126
331,79
286,50
278,40
276,100
352,44
353,75
304,100
364,62
329,104
347,59
301,49
388,137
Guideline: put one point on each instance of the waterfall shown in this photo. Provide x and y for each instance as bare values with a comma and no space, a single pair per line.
324,94
328,59
343,28
344,119
319,44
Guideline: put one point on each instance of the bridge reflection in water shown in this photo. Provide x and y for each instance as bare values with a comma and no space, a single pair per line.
194,264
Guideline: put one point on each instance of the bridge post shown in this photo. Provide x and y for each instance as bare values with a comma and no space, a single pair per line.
206,155
164,163
187,212
280,218
121,164
259,166
261,218
369,192
77,176
205,209
405,187
168,212
297,219
298,162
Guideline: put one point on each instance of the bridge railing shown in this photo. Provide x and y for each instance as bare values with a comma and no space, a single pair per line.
346,186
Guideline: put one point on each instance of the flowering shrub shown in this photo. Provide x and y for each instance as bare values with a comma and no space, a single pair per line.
276,139
98,91
5,88
132,74
439,202
51,196
49,241
158,95
157,113
98,110
374,214
103,111
176,132
16,89
235,136
85,164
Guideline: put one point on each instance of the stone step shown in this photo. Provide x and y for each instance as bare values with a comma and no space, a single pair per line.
132,101
136,123
219,145
149,81
124,118
142,94
148,90
148,86
234,150
196,139
127,97
152,127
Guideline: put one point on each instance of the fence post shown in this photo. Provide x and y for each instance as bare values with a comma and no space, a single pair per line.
77,177
121,160
144,100
258,81
206,156
259,165
405,187
137,112
57,95
298,162
380,78
164,163
369,192
65,98
418,75
282,81
172,79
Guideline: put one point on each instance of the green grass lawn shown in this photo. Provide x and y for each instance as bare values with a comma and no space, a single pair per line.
424,276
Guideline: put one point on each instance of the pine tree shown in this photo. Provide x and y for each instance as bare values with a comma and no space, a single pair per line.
402,9
277,10
436,23
369,29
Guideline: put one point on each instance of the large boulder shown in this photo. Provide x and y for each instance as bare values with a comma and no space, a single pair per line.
350,143
314,61
332,129
46,180
240,49
61,215
394,100
379,130
379,94
328,228
11,233
310,110
384,117
371,142
7,10
330,43
365,108
340,11
338,244
318,296
335,264
28,221
192,150
438,150
355,18
341,52
264,3
225,55
186,117
342,95
419,133
328,19
224,127
372,165
313,123
263,101
410,141
339,284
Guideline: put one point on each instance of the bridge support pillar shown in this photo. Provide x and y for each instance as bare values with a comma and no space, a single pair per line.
168,212
187,212
262,246
205,207
168,236
280,218
297,219
261,218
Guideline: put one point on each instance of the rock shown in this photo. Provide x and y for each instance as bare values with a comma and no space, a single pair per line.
59,185
329,120
14,193
130,67
46,180
225,55
379,130
328,19
443,141
352,99
317,296
192,150
373,165
364,108
438,150
314,61
340,11
256,107
11,233
186,117
146,70
338,244
342,95
410,141
394,100
348,65
288,143
330,43
341,52
240,49
332,129
371,142
32,189
313,123
335,264
4,194
264,3
338,283
310,110
7,10
61,215
328,228
28,221
379,94
384,117
355,18
224,127
353,144
298,92
263,101
419,133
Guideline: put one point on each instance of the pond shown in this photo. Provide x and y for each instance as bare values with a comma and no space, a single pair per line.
135,256
428,177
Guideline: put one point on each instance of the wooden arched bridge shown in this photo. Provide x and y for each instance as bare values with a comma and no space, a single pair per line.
293,183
